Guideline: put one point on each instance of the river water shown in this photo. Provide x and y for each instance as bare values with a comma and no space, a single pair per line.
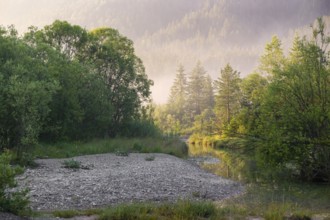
220,162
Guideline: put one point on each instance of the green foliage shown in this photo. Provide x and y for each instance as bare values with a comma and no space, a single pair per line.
103,83
64,83
26,91
227,96
177,102
172,146
115,61
72,164
26,160
286,112
247,121
122,153
195,210
131,212
200,92
273,59
204,124
150,158
143,126
73,213
283,200
190,102
280,197
183,210
14,202
295,112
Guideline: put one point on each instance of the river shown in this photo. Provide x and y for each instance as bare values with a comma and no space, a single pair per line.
225,163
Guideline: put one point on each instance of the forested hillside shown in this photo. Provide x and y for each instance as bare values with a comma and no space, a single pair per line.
167,33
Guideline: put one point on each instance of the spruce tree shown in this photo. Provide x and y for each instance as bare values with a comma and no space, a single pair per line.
227,99
177,101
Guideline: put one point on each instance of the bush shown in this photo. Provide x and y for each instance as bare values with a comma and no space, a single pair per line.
150,158
26,160
72,164
14,202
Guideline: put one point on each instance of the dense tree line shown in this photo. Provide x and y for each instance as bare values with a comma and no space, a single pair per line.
198,105
190,96
64,82
285,105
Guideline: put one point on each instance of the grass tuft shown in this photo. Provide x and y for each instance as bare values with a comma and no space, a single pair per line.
73,213
184,210
150,158
128,212
72,164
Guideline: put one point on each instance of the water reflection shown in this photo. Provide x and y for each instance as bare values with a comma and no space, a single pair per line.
221,162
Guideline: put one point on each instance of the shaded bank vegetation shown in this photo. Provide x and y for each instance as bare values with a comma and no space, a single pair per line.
283,108
64,83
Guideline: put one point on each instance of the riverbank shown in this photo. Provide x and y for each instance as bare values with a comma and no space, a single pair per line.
110,179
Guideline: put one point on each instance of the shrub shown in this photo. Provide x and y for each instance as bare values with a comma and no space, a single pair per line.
122,153
195,210
128,212
26,160
137,147
14,202
150,158
72,164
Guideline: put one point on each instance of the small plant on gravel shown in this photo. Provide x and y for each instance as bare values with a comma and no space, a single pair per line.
87,167
150,158
72,164
122,153
196,194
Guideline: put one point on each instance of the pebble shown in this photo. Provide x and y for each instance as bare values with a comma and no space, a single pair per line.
167,178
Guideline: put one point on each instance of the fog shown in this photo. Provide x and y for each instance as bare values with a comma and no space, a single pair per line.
172,32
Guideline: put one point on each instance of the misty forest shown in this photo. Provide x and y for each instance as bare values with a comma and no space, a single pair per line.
165,109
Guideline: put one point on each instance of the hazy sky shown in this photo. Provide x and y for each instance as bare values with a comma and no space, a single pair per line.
172,32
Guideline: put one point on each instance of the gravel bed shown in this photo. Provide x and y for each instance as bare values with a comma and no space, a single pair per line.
112,179
9,216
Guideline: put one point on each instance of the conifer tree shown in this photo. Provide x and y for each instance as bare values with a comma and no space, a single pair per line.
177,101
200,92
227,99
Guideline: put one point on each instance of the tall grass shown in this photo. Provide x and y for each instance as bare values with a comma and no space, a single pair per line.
171,146
183,210
237,208
285,200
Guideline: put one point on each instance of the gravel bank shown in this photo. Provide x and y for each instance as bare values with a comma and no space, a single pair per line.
115,179
9,216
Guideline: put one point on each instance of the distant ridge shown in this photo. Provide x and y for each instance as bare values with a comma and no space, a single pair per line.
170,32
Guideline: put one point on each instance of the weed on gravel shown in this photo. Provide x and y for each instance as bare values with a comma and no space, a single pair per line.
150,158
72,164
